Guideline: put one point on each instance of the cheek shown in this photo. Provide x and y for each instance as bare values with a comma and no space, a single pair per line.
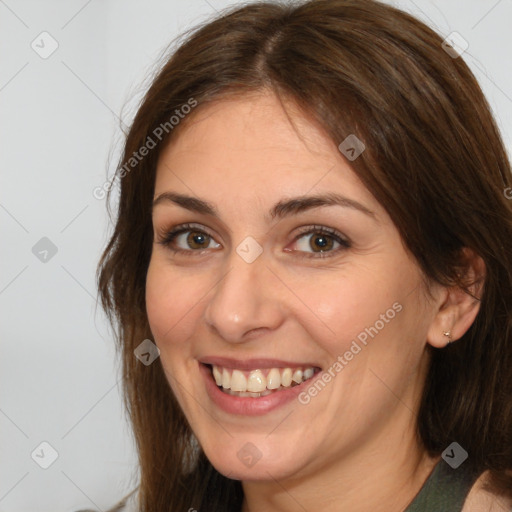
171,304
158,296
172,308
337,311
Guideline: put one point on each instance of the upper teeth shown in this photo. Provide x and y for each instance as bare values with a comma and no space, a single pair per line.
257,381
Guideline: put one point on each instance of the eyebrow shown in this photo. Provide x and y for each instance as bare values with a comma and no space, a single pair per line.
283,208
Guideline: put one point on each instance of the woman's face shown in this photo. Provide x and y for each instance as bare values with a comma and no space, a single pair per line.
270,285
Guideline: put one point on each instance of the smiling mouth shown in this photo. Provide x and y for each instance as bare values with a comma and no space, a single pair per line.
259,382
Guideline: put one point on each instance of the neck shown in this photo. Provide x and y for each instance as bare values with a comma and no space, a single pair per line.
381,476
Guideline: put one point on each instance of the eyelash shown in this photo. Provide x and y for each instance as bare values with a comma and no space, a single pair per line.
169,236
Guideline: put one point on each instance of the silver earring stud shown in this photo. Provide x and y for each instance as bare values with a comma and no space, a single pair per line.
448,334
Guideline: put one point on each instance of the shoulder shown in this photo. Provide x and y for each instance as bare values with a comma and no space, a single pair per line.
481,500
127,504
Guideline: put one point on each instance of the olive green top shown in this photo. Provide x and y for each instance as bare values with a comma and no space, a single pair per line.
445,490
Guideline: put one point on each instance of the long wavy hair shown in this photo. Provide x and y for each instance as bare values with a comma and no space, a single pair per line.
434,159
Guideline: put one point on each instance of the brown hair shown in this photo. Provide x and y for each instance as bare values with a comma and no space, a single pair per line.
434,159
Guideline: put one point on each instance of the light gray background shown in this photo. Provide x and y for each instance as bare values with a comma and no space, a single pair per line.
59,137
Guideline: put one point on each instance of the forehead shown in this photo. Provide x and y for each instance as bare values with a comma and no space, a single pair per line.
248,148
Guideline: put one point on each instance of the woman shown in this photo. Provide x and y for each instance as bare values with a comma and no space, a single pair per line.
312,263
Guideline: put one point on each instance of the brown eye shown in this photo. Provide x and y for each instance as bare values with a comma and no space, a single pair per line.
186,238
198,240
315,241
321,242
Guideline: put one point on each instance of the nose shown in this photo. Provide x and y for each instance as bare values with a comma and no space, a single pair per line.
245,302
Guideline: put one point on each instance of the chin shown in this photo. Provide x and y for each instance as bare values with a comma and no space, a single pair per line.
241,460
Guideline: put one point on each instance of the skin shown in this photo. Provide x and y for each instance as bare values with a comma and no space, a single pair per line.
353,446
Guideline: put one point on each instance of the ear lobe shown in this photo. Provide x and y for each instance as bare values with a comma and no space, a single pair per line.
458,309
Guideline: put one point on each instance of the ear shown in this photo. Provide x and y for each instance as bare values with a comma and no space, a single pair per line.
457,310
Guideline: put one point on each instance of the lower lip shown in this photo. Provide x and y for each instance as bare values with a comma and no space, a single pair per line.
249,406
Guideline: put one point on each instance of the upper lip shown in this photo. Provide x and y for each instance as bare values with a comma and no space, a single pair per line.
254,364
